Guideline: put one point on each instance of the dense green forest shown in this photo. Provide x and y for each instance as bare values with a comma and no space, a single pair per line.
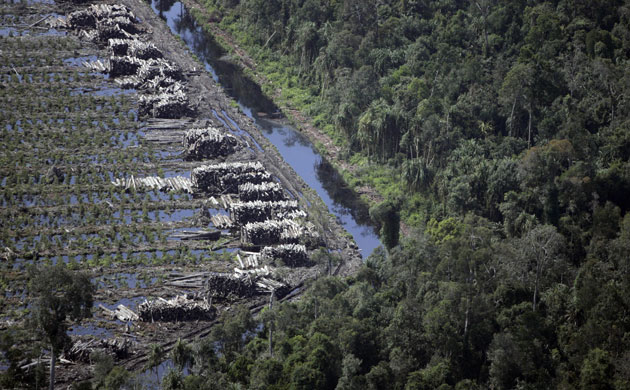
499,131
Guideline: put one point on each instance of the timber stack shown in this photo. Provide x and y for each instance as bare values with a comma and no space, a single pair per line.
272,232
180,308
258,211
101,22
226,177
292,255
135,48
270,191
243,284
170,103
175,183
227,286
124,66
134,63
208,143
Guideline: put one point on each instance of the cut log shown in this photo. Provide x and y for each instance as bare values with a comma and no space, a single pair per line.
180,308
208,143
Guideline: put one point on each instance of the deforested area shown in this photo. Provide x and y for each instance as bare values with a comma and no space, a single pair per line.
492,141
127,181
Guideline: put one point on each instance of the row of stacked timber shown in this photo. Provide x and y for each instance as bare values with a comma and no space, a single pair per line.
269,191
258,211
179,308
168,103
176,183
208,143
226,177
134,48
243,285
133,63
271,232
101,22
292,255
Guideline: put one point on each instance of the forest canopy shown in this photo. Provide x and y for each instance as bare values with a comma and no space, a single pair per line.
502,130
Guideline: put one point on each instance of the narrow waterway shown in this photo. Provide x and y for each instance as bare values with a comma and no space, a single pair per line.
294,147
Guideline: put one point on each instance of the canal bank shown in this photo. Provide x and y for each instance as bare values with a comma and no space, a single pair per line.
296,147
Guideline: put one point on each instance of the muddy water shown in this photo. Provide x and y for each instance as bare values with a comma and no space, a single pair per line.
296,149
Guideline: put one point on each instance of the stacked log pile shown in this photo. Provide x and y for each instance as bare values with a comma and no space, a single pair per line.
226,177
230,286
252,260
270,191
243,285
101,22
124,66
208,143
169,103
271,232
140,64
83,348
180,308
258,211
159,68
292,255
134,48
176,183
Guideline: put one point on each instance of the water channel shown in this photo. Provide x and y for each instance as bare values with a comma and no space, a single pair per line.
294,147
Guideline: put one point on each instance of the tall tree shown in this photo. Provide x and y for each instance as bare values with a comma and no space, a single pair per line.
542,248
59,294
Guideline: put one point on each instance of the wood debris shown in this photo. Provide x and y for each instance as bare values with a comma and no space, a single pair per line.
82,348
175,183
197,235
122,313
221,221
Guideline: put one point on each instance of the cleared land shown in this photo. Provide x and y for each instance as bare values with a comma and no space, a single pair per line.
77,149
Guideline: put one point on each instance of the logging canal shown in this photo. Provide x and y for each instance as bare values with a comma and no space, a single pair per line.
294,147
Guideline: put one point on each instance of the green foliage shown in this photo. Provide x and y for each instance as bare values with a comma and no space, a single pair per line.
388,216
58,294
597,371
497,129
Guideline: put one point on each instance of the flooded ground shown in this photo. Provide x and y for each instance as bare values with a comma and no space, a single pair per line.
70,132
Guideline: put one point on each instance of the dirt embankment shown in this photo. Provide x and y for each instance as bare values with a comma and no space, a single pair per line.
303,122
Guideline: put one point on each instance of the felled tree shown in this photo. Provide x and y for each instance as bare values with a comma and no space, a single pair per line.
59,294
